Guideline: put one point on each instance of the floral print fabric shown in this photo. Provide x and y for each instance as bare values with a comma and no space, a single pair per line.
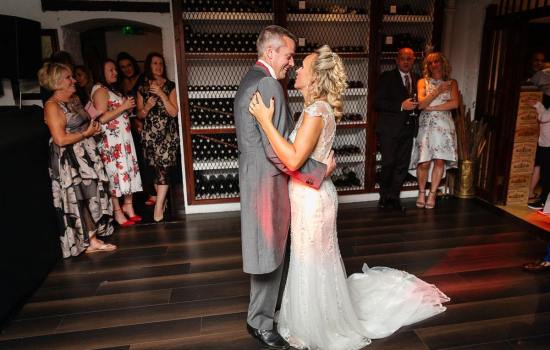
118,152
79,186
436,133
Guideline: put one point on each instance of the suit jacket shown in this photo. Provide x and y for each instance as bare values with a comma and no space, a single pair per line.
263,178
391,92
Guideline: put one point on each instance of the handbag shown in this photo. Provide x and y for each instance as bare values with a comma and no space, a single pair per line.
94,113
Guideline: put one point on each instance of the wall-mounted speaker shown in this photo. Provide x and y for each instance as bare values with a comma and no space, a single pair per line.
20,48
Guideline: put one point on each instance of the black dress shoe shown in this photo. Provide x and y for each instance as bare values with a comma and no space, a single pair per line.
268,337
396,204
382,202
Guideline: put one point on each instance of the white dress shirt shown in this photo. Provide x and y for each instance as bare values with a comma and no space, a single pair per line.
269,68
544,123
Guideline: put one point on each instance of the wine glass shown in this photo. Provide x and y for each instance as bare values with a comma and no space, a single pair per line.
414,99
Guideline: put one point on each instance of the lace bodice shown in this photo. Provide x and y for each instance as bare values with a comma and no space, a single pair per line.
323,110
431,85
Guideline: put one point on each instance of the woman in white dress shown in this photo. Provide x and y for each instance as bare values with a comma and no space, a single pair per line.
117,149
436,140
321,308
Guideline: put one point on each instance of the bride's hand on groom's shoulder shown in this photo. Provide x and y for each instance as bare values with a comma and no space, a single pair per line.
330,162
259,110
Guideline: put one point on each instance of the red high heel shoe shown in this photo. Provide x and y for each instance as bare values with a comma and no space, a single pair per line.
150,201
134,218
126,223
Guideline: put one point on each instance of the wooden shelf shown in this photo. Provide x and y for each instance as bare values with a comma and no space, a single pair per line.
197,56
391,55
351,125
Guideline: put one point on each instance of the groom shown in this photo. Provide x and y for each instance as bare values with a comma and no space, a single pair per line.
263,181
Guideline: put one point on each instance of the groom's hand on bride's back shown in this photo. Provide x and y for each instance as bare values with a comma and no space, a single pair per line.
330,161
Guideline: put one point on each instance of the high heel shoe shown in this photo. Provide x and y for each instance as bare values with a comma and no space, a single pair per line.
126,223
134,218
150,201
158,219
421,200
430,203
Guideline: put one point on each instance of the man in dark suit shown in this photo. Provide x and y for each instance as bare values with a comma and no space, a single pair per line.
395,127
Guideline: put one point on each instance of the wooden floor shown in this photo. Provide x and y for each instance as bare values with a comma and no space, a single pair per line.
180,286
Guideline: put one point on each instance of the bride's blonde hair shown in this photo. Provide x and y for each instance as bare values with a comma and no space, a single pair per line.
330,79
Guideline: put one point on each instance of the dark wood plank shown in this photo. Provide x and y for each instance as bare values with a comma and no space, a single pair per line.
486,331
95,303
180,285
536,343
108,337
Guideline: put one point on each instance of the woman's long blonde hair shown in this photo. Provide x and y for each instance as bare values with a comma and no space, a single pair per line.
330,79
436,56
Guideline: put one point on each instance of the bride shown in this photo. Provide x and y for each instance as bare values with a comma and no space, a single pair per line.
321,308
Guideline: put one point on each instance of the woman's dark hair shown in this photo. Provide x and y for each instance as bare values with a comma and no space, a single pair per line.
62,57
84,92
147,69
126,56
101,76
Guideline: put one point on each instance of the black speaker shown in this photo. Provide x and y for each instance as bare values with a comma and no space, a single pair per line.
20,48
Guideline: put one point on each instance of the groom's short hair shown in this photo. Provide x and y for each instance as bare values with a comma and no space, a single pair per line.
272,35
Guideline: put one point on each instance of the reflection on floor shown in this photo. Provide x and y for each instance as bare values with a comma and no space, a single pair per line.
529,215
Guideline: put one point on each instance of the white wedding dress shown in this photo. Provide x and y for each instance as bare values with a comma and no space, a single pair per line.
321,308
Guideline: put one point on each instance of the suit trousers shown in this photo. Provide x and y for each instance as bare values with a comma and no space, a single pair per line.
396,156
265,290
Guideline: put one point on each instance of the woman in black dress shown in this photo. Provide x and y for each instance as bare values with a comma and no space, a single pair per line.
157,106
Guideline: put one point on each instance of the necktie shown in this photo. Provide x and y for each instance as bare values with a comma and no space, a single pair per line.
408,83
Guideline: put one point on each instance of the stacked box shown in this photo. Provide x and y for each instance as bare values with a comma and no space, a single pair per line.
525,146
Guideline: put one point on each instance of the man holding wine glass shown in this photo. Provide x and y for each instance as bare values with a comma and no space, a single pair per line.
397,125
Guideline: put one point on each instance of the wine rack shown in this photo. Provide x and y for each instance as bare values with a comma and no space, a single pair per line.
217,48
345,28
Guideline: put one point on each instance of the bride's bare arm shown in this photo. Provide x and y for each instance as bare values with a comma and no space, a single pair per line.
292,155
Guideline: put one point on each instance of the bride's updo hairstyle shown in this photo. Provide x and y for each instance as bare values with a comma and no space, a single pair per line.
330,79
445,65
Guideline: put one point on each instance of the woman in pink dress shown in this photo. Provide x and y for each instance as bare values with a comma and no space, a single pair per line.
117,146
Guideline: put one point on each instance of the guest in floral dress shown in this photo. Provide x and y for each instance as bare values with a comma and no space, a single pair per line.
117,146
79,183
435,146
157,105
129,81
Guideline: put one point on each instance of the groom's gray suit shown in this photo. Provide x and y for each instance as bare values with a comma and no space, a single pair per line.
265,205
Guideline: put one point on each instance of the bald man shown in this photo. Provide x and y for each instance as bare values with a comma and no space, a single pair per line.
396,128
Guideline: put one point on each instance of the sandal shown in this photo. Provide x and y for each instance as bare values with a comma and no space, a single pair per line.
421,203
105,247
430,203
